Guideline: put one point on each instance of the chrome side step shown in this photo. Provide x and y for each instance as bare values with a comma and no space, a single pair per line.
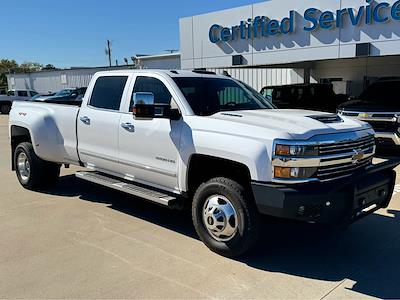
127,187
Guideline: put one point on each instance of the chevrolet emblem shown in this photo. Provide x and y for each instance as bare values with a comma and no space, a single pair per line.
357,156
364,115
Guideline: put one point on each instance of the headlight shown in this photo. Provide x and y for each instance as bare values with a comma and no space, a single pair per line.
294,172
296,150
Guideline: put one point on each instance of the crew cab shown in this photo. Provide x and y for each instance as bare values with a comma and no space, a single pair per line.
12,95
379,105
210,142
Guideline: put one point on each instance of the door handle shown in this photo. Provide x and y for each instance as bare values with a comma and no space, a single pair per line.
85,120
128,126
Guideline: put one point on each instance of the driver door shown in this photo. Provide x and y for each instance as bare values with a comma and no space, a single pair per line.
149,149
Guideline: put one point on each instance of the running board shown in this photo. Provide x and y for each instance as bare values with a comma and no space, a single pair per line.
129,188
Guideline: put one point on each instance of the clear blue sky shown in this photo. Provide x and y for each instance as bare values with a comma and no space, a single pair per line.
73,33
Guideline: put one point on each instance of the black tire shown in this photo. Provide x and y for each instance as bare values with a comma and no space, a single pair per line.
42,174
5,109
246,234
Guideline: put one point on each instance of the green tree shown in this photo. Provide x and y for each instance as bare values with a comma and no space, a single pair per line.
6,66
27,67
49,67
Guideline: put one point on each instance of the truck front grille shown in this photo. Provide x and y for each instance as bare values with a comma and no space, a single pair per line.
340,159
347,147
332,172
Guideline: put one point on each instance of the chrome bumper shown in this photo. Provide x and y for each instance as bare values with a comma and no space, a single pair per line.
389,135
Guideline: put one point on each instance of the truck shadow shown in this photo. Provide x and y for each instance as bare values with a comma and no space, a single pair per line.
367,254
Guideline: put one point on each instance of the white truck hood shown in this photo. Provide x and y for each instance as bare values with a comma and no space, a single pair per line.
299,124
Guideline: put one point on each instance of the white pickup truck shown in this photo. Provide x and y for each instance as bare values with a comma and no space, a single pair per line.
192,137
13,95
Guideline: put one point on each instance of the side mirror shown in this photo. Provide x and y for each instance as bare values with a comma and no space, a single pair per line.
143,105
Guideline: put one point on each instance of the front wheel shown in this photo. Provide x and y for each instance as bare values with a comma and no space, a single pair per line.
33,172
225,217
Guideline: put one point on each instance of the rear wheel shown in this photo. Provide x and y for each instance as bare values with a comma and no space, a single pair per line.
33,172
225,217
5,108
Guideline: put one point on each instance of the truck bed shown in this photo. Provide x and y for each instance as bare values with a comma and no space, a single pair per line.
52,126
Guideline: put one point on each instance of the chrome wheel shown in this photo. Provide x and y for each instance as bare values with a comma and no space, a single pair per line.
24,167
220,218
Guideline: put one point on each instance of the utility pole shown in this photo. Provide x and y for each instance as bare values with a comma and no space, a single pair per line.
108,51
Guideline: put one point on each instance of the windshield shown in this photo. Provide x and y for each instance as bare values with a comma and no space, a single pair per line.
207,96
383,93
65,92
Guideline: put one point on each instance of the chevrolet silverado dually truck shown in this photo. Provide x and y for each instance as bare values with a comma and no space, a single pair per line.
209,142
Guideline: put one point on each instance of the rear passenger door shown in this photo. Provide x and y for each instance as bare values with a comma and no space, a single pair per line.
98,124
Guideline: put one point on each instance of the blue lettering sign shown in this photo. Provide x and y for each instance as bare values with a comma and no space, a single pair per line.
261,26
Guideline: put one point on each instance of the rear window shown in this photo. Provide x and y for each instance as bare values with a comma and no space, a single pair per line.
22,93
107,92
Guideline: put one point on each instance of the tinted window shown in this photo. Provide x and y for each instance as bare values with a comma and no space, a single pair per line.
11,93
22,93
207,96
155,86
107,92
33,93
382,92
267,92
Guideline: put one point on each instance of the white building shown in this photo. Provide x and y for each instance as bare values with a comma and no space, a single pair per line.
347,42
55,80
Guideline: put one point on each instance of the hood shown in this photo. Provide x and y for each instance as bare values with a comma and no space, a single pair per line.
299,124
368,106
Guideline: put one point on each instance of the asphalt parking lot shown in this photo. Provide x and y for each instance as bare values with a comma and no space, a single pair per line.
79,240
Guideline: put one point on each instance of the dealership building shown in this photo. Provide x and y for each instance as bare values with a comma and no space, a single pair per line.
349,43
